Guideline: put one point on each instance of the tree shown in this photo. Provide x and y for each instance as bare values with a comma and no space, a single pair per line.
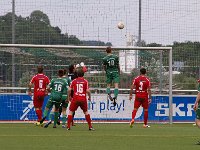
38,16
188,53
34,29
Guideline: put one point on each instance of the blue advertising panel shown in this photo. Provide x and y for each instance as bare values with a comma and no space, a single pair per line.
182,108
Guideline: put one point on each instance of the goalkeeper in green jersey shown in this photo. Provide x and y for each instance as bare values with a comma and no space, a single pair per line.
111,66
197,108
57,87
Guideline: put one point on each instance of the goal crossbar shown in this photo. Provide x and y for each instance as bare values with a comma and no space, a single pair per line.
84,47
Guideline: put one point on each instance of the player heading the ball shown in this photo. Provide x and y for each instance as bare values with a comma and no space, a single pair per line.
111,66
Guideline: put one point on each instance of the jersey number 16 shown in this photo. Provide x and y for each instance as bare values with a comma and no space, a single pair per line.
79,88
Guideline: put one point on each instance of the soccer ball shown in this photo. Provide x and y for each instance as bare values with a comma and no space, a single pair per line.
120,25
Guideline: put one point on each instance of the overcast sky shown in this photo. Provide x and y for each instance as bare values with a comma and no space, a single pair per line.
163,21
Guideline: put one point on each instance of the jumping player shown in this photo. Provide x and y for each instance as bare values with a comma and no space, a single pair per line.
111,66
142,87
40,82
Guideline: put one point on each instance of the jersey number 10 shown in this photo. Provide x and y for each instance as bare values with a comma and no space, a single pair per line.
111,62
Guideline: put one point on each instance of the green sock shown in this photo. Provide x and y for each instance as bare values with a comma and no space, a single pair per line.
64,119
45,113
116,92
108,90
55,118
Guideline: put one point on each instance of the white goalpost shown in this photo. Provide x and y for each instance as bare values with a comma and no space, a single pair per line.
15,76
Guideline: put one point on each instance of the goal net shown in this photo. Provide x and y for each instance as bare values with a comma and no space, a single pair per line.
19,62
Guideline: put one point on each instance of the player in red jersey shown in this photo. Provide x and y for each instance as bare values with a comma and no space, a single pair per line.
40,82
142,87
80,88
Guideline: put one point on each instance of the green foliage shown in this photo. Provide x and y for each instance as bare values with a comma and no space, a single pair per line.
184,82
189,54
37,29
5,28
126,80
96,43
88,53
38,52
25,79
38,16
34,29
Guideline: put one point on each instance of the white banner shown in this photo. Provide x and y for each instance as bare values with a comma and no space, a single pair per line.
101,108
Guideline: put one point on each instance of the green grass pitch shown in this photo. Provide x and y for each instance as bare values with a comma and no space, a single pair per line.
105,137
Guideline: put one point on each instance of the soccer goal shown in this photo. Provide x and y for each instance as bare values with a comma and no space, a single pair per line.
19,61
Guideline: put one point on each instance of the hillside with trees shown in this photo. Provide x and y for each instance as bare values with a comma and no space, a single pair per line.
37,29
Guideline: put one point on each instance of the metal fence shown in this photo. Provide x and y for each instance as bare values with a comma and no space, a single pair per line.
77,22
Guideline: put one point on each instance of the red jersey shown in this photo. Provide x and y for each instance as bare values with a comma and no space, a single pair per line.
79,86
199,80
142,83
40,82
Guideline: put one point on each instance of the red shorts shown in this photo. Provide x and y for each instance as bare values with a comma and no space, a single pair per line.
75,104
38,100
141,100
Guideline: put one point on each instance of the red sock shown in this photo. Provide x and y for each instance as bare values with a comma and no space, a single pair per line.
87,117
145,117
39,114
69,120
134,114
